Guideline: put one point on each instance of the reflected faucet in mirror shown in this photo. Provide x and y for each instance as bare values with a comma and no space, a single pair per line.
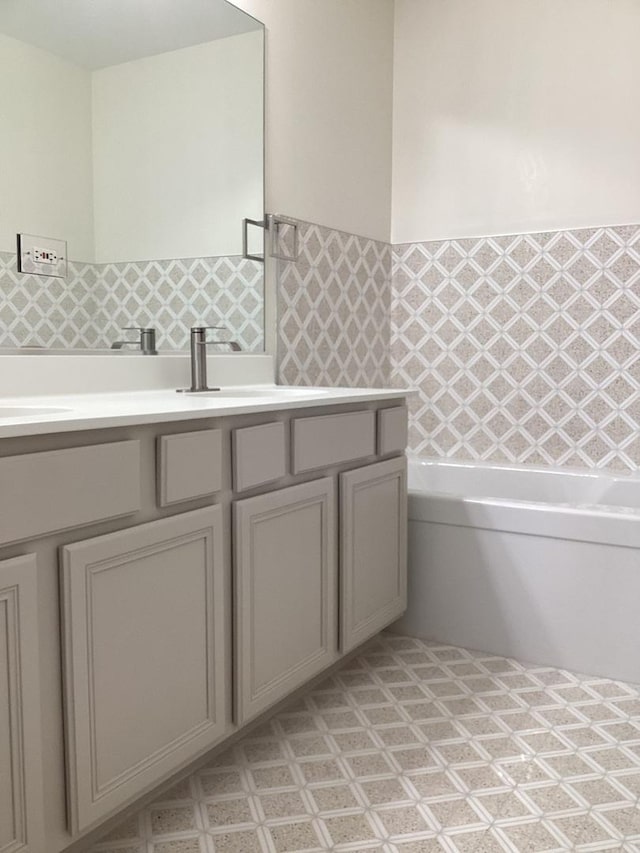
146,342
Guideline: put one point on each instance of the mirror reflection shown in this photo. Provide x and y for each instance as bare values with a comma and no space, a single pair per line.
132,132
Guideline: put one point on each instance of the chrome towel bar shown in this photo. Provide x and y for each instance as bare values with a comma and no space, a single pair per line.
273,224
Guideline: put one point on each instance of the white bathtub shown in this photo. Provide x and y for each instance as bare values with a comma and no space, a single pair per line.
536,563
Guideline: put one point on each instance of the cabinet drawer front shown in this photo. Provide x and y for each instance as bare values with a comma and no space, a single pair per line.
331,439
61,489
285,591
392,430
258,456
144,655
373,551
21,803
189,466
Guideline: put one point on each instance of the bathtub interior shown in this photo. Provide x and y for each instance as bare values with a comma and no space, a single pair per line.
512,483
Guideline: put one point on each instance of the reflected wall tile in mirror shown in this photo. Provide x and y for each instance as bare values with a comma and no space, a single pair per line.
90,308
174,295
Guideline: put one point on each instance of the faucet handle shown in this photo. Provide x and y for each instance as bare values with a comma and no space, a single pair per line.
204,328
199,335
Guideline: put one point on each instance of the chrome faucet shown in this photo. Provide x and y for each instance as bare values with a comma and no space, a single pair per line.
146,342
199,344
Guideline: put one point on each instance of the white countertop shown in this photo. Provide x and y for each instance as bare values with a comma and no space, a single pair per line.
100,411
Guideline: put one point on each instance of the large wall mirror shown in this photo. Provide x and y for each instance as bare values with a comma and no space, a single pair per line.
132,130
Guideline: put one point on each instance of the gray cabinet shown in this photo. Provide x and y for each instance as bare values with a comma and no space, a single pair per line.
21,803
285,592
373,565
190,466
144,654
62,489
259,455
163,643
332,440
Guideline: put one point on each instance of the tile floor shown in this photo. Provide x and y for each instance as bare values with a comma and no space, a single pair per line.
416,747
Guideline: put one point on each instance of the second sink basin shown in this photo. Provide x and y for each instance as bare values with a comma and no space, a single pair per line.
28,411
269,392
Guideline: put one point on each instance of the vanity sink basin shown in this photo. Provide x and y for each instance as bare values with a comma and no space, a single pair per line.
28,412
294,393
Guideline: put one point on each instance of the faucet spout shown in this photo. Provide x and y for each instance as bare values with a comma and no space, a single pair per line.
198,346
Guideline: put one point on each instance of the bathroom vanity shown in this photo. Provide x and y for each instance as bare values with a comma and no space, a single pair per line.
171,567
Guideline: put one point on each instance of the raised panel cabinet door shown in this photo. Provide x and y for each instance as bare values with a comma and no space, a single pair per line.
373,549
285,592
144,652
21,803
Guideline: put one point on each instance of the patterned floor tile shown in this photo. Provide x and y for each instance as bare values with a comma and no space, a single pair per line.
533,837
550,799
183,845
417,747
237,842
345,829
477,840
581,828
448,814
430,845
295,837
385,792
432,785
504,806
166,820
625,820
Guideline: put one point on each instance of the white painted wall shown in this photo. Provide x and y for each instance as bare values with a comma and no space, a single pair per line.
329,107
514,116
45,148
98,35
174,174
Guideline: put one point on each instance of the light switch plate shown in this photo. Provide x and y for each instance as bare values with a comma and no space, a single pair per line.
42,256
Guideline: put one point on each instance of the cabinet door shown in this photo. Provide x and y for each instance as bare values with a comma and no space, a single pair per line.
373,570
144,657
285,584
21,804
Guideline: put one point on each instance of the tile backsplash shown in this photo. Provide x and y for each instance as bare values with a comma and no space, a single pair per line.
333,308
524,349
90,308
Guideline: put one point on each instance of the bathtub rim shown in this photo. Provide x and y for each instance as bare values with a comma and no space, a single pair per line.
572,471
597,524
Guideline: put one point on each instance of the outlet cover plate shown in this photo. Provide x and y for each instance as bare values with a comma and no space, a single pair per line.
42,256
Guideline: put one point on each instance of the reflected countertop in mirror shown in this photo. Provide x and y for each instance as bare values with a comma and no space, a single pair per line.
134,132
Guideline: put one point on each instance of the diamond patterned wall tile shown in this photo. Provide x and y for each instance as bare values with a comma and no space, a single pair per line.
177,294
92,306
523,348
333,308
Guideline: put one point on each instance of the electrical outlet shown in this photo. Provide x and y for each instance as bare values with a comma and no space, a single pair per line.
42,256
45,256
